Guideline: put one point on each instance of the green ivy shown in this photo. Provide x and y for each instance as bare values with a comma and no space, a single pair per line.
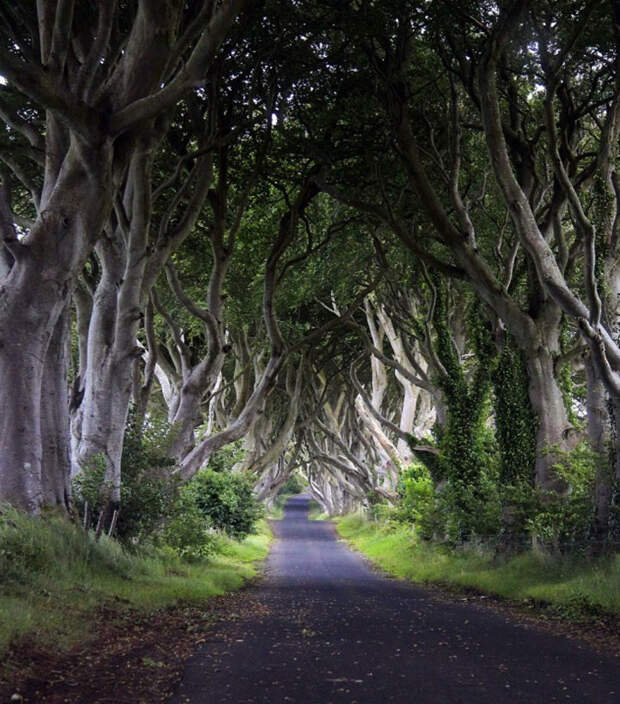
515,420
465,460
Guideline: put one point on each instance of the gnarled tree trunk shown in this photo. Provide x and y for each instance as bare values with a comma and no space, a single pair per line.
34,294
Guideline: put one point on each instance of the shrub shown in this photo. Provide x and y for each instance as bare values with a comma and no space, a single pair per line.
563,521
292,485
418,501
155,508
441,511
148,488
226,500
89,486
228,457
188,531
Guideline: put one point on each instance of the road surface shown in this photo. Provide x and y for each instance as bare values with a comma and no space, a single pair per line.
321,627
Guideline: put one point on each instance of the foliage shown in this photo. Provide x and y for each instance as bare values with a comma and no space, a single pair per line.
225,500
30,545
293,485
473,511
147,489
188,531
89,487
515,422
563,521
224,460
418,501
156,509
467,454
559,522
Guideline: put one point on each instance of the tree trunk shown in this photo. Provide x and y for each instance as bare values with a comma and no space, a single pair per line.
199,456
614,407
379,375
33,296
407,417
23,349
554,428
188,416
56,449
599,437
99,423
103,419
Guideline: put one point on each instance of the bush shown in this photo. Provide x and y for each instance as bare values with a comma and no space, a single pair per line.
188,531
148,489
228,457
440,512
563,521
418,501
292,485
155,508
226,500
89,486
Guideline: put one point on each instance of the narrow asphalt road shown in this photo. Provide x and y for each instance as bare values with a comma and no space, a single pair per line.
321,628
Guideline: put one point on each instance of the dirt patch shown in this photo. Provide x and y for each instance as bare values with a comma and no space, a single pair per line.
132,658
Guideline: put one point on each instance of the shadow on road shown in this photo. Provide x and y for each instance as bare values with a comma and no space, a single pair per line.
322,627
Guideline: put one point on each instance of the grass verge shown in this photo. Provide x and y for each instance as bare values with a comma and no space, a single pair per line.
54,578
575,588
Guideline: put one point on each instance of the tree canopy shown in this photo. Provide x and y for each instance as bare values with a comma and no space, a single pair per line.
372,243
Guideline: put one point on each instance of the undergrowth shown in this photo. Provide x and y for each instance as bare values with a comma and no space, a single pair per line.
54,577
575,587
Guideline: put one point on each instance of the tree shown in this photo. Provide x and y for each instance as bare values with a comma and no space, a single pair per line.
96,80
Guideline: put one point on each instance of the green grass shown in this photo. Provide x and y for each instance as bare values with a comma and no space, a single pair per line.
53,577
577,587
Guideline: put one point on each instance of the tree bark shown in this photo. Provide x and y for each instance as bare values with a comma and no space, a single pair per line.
554,428
599,437
33,296
56,446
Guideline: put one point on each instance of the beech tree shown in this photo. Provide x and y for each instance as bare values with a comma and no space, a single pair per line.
449,206
97,82
364,239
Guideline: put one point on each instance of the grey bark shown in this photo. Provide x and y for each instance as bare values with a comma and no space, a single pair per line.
55,443
599,436
78,186
554,429
33,295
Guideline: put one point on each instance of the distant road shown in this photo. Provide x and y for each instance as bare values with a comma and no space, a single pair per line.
321,627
